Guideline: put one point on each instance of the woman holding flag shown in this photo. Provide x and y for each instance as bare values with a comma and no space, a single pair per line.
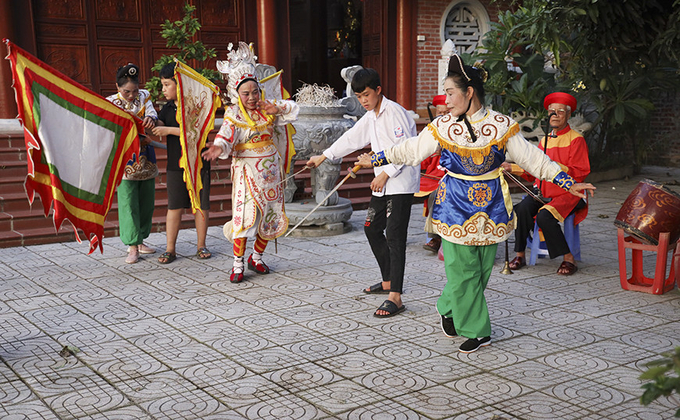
136,192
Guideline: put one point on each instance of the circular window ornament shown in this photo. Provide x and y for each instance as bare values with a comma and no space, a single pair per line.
465,22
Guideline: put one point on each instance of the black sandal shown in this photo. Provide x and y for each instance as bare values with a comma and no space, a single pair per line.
376,289
389,307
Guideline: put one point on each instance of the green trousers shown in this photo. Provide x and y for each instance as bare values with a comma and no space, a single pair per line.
135,210
468,269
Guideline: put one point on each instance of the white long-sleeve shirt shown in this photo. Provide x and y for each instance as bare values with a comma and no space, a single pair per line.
391,126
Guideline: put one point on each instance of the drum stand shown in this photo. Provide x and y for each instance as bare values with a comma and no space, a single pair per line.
658,285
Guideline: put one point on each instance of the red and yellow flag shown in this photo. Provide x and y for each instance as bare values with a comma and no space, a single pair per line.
197,100
77,144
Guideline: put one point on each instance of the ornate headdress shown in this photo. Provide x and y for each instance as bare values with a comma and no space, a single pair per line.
239,66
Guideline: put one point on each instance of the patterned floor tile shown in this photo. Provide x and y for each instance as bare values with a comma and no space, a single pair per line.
188,405
381,410
577,363
615,352
566,336
176,350
302,313
354,364
131,364
47,383
212,373
393,382
301,377
622,378
246,391
487,358
332,325
155,386
284,407
15,392
440,402
29,410
340,396
633,410
528,346
526,324
320,348
87,401
588,394
124,413
240,343
489,388
538,405
268,359
533,374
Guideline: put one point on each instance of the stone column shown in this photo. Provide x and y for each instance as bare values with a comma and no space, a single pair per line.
405,54
8,106
267,32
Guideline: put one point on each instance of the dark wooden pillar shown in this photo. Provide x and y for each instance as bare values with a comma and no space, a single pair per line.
267,31
8,106
405,73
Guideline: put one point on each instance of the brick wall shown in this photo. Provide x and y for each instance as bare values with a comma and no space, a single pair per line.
430,14
664,128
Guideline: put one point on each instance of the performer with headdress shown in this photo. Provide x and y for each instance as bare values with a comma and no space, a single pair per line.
568,148
473,210
136,192
254,134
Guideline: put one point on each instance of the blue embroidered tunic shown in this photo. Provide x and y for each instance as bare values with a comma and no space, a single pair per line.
473,204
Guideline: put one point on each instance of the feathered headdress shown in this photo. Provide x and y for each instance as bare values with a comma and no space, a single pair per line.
239,66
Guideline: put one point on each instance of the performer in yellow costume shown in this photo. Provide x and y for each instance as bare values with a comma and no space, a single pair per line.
254,133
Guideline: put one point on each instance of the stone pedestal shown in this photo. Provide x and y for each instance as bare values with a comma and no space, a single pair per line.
317,128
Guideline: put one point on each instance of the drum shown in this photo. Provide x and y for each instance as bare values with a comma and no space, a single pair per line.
650,210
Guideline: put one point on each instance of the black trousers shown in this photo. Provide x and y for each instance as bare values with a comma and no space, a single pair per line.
386,227
525,211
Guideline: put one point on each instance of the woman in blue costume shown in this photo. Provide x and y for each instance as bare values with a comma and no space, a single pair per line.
472,211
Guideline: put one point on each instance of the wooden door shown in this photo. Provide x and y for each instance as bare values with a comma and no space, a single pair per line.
88,40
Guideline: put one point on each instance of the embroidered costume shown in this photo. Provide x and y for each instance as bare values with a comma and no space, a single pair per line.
143,166
136,192
256,169
472,210
261,148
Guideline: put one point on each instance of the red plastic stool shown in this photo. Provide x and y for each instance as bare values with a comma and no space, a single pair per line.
658,285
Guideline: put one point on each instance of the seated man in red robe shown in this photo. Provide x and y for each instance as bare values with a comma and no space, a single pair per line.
568,148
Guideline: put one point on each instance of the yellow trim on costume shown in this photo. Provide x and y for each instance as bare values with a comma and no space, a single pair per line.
477,153
497,231
255,145
251,123
496,173
554,212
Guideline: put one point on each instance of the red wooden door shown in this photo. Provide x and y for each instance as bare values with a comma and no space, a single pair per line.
89,39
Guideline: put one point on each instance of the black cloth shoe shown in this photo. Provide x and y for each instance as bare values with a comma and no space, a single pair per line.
448,327
473,344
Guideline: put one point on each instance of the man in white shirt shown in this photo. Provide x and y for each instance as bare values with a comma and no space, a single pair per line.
393,187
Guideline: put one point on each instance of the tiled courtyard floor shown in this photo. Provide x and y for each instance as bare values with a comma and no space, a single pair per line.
179,341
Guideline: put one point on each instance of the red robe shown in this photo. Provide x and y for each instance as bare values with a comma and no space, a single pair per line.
429,182
569,149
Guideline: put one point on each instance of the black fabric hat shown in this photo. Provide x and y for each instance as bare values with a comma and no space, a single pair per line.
456,66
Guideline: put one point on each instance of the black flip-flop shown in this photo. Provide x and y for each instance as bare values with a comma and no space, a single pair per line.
376,289
389,307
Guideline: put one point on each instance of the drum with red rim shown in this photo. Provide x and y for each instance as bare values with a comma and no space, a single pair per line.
649,210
